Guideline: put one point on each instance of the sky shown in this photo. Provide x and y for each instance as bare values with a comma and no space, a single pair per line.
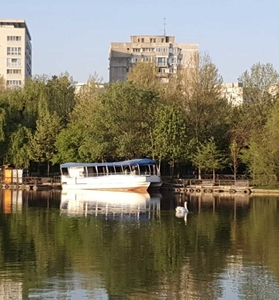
75,36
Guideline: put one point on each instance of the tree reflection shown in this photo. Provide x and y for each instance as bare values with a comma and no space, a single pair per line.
161,256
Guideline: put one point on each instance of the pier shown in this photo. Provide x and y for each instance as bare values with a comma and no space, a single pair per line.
30,183
208,186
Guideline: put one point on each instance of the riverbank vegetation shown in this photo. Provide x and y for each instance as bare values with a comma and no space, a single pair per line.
183,122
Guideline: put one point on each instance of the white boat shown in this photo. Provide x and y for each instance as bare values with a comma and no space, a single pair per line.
111,204
130,175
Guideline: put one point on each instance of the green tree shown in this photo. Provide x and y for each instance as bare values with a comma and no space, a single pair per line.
260,85
170,134
144,74
60,93
85,138
257,158
208,157
234,157
19,147
42,143
127,114
200,97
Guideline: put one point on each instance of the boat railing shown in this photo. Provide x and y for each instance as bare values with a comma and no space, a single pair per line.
117,173
126,172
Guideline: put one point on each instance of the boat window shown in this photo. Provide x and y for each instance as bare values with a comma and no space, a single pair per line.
126,169
102,171
64,171
118,169
155,170
111,170
91,171
145,170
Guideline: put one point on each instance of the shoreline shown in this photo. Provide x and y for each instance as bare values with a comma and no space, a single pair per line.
262,192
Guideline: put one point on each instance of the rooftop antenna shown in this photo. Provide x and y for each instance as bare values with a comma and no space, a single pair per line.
164,26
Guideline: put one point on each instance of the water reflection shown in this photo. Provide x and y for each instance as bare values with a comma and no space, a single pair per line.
10,201
76,246
114,205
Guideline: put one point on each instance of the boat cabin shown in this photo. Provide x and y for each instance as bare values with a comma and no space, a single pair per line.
143,166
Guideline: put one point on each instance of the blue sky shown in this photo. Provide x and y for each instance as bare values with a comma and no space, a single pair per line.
75,36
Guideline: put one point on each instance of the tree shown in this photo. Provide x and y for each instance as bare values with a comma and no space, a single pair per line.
60,93
42,143
85,137
144,74
235,157
127,114
170,134
208,157
18,154
200,99
2,84
260,86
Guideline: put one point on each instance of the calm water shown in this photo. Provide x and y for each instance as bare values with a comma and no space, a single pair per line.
130,246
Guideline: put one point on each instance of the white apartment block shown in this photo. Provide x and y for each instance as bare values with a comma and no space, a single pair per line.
160,49
233,92
15,52
80,86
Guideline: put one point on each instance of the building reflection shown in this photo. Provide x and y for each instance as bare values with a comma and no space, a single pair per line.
11,201
113,205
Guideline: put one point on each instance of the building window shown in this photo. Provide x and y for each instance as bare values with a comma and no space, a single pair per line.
147,49
152,40
13,71
13,62
142,40
13,50
14,38
162,61
13,82
136,49
166,50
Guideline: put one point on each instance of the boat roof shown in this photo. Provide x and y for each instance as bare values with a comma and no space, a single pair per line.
132,162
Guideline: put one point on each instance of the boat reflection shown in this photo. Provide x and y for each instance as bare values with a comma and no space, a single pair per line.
108,204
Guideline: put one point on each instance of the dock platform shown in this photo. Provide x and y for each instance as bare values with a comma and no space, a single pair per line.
208,186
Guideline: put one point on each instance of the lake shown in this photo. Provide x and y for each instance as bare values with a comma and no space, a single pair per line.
113,245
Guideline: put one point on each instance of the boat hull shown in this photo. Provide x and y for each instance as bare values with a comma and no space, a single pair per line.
109,183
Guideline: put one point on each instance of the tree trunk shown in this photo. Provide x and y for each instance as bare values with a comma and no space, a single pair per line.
234,172
48,168
199,174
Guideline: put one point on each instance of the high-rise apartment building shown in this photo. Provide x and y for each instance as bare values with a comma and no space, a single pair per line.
160,49
15,52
